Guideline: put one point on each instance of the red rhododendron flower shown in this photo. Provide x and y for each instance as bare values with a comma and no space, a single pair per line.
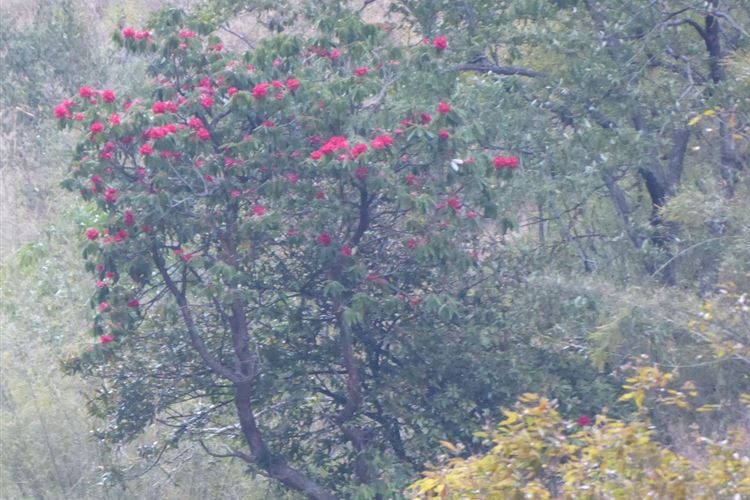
194,122
104,306
114,119
186,34
440,43
86,92
411,179
100,284
260,90
443,107
381,142
454,203
92,233
121,236
141,35
584,420
292,84
335,54
128,32
425,118
231,91
207,101
203,134
320,195
361,71
505,162
268,123
61,111
146,149
110,194
346,251
412,243
128,218
359,149
324,239
293,178
316,155
159,107
134,304
106,339
259,210
96,128
334,144
444,134
108,95
361,173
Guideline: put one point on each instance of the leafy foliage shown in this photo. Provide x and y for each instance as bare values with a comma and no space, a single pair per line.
534,452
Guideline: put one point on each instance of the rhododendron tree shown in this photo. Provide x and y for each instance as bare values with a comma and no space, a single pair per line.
288,251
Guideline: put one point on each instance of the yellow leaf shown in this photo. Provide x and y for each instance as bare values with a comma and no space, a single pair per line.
512,417
694,120
709,112
639,397
708,408
450,446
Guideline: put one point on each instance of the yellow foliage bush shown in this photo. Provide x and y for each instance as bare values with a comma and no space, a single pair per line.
537,454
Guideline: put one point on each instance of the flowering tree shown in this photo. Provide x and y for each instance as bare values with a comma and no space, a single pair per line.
289,251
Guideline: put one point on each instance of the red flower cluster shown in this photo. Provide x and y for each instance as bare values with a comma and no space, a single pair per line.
260,90
292,84
361,173
92,233
440,43
381,142
361,71
137,35
359,149
106,339
160,132
194,122
108,95
332,145
505,162
160,107
443,107
96,128
454,203
110,195
62,110
324,239
186,34
128,218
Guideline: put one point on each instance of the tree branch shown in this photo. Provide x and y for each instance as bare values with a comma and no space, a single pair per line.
488,67
197,342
